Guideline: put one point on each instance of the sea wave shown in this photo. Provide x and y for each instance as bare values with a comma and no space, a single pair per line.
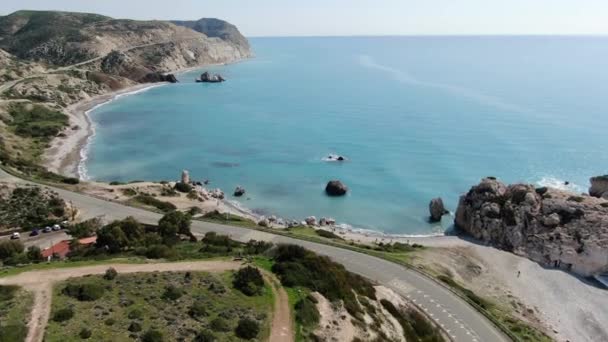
560,184
84,151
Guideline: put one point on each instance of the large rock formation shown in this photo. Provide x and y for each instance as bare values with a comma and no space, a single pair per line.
553,227
216,28
437,210
599,186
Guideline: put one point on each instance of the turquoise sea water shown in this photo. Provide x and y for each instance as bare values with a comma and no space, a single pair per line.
417,117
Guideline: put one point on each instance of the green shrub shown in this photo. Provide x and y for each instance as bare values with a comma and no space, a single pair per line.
577,199
70,180
86,292
110,274
159,252
85,333
173,224
205,336
173,292
198,309
116,183
183,187
152,336
158,204
220,325
86,228
295,266
257,247
63,315
135,314
249,281
13,332
327,234
34,254
9,248
110,322
307,313
7,292
36,121
193,211
129,192
135,327
247,328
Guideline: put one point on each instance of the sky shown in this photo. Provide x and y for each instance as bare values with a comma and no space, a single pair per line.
358,17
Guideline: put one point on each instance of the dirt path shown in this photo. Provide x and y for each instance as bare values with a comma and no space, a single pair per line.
41,284
281,328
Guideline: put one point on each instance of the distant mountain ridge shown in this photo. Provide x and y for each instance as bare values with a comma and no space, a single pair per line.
217,28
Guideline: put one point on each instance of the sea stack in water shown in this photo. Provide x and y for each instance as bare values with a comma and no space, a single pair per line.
599,187
206,77
437,209
239,191
336,188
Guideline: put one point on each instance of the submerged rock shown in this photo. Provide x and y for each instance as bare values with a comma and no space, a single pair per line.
437,209
555,228
239,191
336,188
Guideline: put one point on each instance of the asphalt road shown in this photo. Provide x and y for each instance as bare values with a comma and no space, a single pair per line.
459,319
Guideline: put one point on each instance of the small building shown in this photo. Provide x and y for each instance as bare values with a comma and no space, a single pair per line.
62,249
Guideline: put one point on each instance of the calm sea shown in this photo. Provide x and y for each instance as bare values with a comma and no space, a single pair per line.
417,118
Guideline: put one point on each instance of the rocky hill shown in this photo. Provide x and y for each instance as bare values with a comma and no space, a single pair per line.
217,28
552,227
65,38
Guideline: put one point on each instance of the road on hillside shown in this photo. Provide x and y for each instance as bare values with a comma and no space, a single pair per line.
459,319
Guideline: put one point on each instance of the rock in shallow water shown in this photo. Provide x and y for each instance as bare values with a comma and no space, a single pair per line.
437,209
336,188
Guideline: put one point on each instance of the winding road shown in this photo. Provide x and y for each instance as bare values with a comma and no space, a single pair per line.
459,319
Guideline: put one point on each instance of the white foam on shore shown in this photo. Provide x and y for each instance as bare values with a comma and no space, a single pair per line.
84,151
560,184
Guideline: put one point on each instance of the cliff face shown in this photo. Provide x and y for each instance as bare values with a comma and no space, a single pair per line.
549,226
63,38
221,29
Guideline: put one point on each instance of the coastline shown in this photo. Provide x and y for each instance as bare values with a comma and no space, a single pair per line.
66,154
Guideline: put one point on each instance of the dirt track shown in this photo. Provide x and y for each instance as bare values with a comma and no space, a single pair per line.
40,283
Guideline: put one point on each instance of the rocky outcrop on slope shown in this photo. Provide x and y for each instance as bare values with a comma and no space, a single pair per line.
599,187
552,227
216,28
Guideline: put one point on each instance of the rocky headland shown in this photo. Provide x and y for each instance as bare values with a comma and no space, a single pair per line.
70,62
555,228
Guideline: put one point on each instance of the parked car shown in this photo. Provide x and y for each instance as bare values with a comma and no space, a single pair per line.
47,230
15,236
56,227
35,232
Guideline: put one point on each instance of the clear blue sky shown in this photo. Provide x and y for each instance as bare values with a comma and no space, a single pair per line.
358,17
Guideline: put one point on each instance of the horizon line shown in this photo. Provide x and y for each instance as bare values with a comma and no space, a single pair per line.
432,35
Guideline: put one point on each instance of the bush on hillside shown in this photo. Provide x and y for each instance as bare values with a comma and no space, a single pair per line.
63,315
34,254
152,336
183,187
7,292
257,247
306,312
248,280
295,266
247,328
219,324
86,292
86,228
36,121
153,202
205,336
13,332
85,333
173,224
110,274
134,327
10,248
173,292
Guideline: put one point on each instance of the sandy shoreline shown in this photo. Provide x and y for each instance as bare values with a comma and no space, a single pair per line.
65,154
